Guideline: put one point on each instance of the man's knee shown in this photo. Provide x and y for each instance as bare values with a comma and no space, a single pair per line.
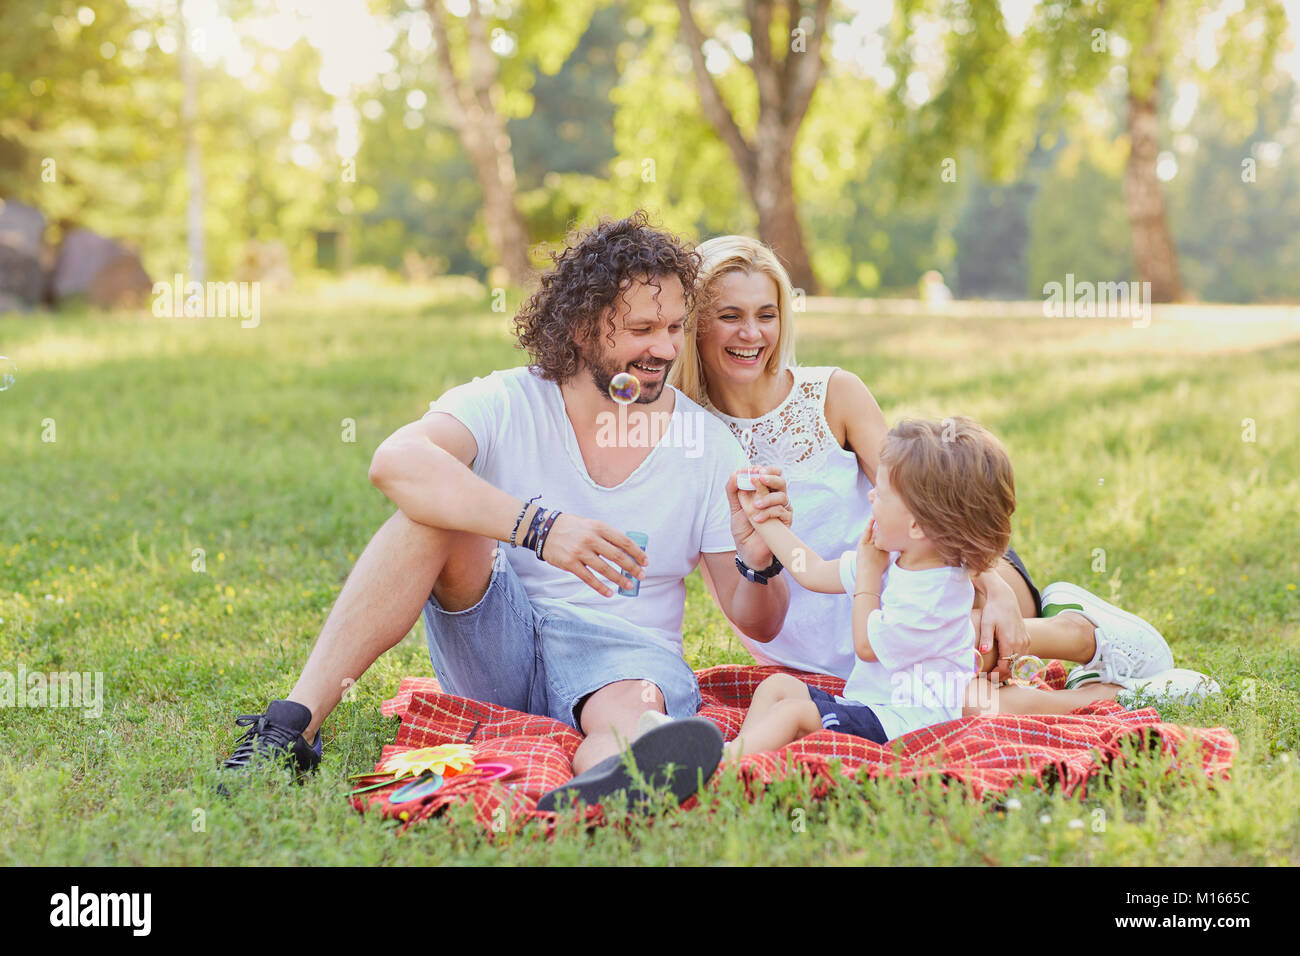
462,561
619,703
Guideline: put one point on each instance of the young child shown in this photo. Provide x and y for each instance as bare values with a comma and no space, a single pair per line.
942,505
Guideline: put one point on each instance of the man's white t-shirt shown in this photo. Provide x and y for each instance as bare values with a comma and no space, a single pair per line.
677,495
924,644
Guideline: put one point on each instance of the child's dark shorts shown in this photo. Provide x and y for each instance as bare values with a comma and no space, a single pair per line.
855,719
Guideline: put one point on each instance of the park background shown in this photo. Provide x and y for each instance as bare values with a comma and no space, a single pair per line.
390,202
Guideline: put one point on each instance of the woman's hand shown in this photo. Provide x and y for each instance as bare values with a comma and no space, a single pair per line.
1000,621
582,545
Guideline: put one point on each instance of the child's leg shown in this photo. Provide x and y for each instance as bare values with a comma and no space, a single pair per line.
985,700
780,713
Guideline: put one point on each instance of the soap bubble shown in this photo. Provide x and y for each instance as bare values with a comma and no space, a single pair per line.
8,373
1026,667
625,388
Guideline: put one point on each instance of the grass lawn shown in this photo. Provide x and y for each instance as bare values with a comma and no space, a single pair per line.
172,436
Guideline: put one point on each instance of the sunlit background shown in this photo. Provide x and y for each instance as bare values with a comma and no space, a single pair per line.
323,135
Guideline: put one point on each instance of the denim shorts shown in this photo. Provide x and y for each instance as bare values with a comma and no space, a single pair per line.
503,652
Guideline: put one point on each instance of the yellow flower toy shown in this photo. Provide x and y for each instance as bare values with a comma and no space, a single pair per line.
445,759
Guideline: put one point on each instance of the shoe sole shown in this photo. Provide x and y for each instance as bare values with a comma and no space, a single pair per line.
1083,597
1197,687
693,746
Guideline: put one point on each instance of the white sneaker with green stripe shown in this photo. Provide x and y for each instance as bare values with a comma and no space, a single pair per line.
1127,646
1176,685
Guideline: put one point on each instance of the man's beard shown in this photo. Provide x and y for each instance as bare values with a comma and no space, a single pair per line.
602,375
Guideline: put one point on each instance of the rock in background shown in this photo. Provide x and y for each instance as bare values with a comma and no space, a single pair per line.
22,236
100,270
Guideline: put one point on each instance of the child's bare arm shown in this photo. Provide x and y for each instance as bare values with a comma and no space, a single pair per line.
811,570
866,590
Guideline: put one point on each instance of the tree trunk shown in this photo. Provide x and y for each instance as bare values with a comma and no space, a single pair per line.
785,88
1153,247
488,145
471,103
198,271
778,218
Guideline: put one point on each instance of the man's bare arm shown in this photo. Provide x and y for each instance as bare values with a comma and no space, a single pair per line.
424,469
758,610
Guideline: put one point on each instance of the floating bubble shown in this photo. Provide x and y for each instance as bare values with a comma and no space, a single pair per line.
1026,667
8,373
625,388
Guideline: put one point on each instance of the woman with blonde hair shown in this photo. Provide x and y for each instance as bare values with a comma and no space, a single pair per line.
823,429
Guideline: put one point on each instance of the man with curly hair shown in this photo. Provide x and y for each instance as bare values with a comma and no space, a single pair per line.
510,535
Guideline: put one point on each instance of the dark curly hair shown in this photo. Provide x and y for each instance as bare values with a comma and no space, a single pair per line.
586,280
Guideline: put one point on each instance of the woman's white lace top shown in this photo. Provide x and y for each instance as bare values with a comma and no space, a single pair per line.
829,494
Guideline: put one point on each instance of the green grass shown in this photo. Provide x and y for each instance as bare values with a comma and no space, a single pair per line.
176,435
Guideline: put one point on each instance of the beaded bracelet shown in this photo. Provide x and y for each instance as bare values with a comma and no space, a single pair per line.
545,532
530,539
523,512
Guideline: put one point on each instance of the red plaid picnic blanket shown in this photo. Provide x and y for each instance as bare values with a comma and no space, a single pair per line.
984,754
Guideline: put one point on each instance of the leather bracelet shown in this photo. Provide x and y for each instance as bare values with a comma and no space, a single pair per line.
515,530
546,532
530,539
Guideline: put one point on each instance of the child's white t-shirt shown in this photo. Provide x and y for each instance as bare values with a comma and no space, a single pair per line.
677,495
924,644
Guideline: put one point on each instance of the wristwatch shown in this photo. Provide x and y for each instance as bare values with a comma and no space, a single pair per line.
759,577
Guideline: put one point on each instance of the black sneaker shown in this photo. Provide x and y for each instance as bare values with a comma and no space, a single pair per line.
679,755
276,735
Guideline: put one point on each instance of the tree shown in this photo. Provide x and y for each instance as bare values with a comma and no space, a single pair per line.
72,127
785,83
1225,49
198,270
473,95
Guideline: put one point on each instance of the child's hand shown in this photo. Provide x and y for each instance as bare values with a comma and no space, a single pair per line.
871,557
771,499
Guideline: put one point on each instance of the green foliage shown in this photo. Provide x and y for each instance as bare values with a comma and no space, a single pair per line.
972,88
605,118
1143,42
416,191
668,158
1078,222
75,98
